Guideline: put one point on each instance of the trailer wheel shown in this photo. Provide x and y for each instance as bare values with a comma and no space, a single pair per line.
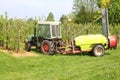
98,51
27,46
47,47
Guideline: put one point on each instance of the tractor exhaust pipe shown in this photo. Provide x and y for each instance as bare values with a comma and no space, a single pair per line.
34,31
105,23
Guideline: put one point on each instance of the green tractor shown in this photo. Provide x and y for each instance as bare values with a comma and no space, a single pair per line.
47,37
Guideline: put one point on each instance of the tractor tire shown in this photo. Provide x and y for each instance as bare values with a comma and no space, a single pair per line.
47,47
27,46
98,50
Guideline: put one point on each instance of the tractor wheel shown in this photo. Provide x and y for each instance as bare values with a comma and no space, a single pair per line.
47,47
98,51
27,46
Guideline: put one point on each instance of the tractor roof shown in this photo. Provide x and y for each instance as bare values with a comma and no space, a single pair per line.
49,22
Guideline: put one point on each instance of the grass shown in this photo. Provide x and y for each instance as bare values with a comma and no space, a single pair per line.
61,67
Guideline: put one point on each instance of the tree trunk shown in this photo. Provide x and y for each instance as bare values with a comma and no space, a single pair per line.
7,36
18,49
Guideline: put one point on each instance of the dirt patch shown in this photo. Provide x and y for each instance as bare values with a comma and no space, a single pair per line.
20,53
25,54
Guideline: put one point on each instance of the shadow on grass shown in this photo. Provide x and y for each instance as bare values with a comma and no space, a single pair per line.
107,53
78,54
38,51
58,54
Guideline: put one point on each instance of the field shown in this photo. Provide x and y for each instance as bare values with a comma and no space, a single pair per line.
61,67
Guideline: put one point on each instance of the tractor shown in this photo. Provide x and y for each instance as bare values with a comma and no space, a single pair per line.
47,37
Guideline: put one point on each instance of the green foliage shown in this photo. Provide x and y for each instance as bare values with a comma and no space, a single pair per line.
84,16
70,30
73,30
84,10
14,32
50,17
64,19
61,67
113,11
103,3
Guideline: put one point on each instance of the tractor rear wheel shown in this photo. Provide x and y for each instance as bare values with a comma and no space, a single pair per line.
27,46
47,47
98,51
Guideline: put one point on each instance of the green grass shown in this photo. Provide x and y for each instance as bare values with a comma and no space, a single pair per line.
61,67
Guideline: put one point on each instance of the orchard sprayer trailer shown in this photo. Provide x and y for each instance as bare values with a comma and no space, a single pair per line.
48,38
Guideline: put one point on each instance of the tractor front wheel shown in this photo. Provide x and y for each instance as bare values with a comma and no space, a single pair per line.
27,46
98,51
47,47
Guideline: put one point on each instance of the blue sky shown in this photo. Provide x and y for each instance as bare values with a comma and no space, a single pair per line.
32,8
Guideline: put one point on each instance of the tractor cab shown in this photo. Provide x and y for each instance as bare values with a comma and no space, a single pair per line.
49,30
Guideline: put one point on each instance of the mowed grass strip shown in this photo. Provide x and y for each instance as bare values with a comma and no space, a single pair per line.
61,67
